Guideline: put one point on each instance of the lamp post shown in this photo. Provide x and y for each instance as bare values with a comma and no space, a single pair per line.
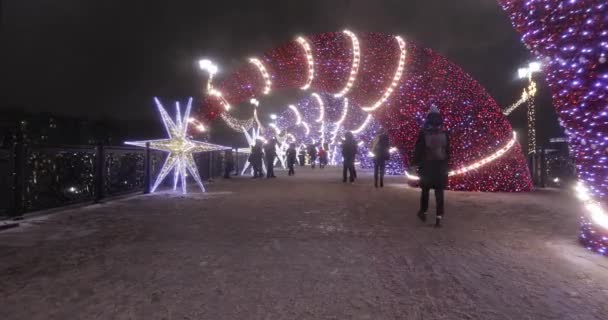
527,73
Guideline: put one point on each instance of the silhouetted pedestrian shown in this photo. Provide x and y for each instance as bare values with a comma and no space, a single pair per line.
270,152
432,155
312,155
228,164
256,159
349,152
291,158
302,157
381,152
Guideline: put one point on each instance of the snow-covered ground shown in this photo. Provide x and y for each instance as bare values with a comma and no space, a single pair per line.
304,247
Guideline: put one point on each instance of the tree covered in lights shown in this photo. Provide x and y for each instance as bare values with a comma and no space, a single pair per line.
394,81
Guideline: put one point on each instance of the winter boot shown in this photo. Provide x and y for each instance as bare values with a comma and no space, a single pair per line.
438,221
422,216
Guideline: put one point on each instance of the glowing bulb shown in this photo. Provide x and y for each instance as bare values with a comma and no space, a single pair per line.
273,116
363,125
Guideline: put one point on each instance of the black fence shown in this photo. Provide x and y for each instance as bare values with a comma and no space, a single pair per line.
42,177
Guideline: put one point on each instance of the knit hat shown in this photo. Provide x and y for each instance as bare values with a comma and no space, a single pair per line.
433,109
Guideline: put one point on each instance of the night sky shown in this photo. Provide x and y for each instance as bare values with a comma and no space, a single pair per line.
109,58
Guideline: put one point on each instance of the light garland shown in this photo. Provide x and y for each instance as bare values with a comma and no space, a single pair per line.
528,93
297,113
363,125
354,69
179,147
262,69
275,128
321,107
531,127
236,124
396,78
309,59
478,164
340,121
306,127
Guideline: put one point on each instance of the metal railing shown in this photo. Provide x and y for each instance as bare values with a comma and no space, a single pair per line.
42,177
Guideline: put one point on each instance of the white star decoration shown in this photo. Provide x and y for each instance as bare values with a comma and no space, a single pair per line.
251,140
180,148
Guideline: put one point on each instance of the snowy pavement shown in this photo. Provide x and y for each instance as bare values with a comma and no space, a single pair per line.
304,247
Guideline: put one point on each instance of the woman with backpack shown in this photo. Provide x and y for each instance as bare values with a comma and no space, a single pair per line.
432,156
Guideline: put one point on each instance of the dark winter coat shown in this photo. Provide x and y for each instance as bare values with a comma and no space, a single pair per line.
291,156
381,149
349,150
432,155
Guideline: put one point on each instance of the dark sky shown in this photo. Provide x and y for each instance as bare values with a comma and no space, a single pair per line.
109,58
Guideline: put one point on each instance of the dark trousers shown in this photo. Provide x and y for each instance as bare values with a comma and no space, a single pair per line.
349,166
302,160
379,168
269,167
313,161
257,170
227,170
424,200
291,170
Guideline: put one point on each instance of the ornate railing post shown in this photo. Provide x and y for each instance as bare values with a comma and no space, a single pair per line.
147,169
18,164
100,163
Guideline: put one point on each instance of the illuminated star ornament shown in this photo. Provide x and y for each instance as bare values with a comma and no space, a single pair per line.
179,147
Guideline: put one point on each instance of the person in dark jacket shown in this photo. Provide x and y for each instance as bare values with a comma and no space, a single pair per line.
381,152
349,152
312,155
228,164
432,156
256,158
291,158
270,152
302,157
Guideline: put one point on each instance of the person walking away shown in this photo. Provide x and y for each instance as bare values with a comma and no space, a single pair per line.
256,159
432,155
322,158
349,152
291,158
228,164
270,151
381,155
302,157
312,154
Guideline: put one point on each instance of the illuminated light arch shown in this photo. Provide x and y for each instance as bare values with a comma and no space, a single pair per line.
396,77
310,60
264,73
478,127
354,69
